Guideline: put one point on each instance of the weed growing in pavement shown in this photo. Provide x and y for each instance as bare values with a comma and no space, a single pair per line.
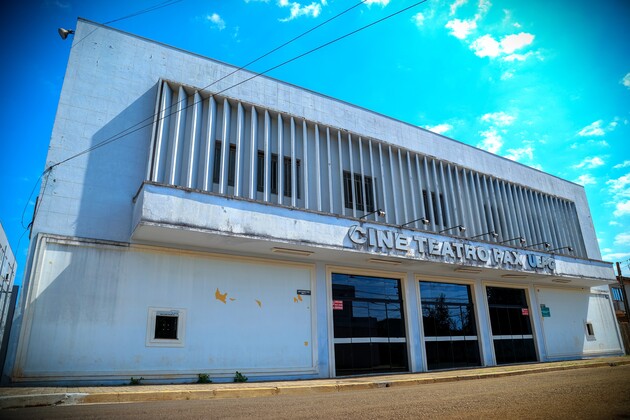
239,377
204,378
136,381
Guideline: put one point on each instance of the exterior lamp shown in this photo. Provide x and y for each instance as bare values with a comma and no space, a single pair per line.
568,248
547,245
461,228
519,238
424,221
378,212
492,234
63,33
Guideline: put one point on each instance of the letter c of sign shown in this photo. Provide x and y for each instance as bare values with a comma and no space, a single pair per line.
357,235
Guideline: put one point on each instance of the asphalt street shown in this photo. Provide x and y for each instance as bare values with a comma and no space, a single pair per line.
597,393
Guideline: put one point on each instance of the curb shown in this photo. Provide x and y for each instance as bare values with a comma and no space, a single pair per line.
23,401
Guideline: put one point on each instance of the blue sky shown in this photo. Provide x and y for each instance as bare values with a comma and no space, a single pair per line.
543,83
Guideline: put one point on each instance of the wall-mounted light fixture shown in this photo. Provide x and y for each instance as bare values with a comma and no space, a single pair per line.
492,234
424,221
520,239
546,244
568,248
471,270
378,212
461,228
383,261
514,276
63,33
290,251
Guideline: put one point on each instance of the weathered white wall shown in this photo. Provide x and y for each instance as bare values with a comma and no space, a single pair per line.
564,331
89,309
110,85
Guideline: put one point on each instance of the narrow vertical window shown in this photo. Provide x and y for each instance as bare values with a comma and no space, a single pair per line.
361,183
216,169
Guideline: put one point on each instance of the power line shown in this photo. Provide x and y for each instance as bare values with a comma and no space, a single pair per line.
138,127
134,14
126,131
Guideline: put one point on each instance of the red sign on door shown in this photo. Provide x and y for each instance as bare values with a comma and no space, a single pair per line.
525,311
337,305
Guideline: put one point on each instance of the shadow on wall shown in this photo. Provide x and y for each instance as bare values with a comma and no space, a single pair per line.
115,171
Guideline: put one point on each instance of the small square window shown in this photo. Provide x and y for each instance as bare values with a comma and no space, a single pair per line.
590,332
166,327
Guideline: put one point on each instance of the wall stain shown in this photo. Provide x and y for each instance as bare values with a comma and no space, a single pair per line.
259,303
306,344
219,296
232,299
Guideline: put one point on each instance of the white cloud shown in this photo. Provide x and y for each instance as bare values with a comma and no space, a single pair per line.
508,74
590,163
492,141
297,9
625,164
622,208
440,128
511,43
500,118
622,239
620,186
626,80
461,28
216,21
618,256
613,223
520,153
381,3
487,46
518,57
418,19
457,5
593,129
585,180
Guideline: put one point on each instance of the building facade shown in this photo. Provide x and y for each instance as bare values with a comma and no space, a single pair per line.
264,228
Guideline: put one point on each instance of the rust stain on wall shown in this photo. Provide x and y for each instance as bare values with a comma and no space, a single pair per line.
220,296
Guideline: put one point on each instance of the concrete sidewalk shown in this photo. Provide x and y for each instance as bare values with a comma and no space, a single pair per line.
17,397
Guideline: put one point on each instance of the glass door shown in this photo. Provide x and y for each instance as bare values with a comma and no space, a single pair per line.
369,325
511,325
450,328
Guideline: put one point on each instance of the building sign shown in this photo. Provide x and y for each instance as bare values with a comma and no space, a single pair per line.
545,311
421,247
337,305
525,311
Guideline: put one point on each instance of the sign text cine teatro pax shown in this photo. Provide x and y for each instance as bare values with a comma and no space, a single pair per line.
422,247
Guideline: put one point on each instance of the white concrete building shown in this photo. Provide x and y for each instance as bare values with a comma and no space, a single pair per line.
275,231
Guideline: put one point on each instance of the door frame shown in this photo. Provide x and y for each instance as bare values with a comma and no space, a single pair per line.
397,275
529,298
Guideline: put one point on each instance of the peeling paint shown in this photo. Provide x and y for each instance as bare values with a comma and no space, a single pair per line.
258,302
219,296
232,299
299,298
306,344
295,300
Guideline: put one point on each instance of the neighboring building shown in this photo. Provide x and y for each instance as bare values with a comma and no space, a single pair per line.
8,267
279,232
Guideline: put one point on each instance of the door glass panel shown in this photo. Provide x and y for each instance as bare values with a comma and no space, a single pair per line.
511,325
450,330
367,315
